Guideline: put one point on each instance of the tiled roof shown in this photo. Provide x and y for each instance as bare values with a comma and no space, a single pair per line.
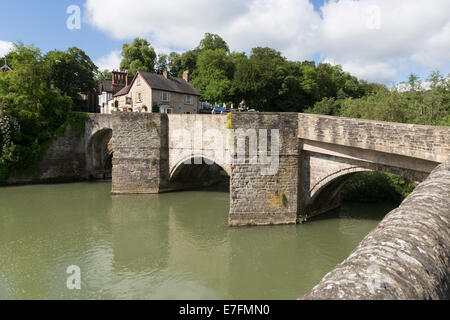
106,86
159,82
123,91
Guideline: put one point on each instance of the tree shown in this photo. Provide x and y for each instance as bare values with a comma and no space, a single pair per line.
102,75
38,110
72,72
139,56
213,75
266,62
213,42
174,64
162,63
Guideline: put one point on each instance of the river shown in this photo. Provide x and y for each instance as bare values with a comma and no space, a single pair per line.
167,246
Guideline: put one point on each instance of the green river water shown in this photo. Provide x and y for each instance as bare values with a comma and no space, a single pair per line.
168,246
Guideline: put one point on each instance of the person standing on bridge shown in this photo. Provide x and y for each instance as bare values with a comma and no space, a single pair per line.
242,107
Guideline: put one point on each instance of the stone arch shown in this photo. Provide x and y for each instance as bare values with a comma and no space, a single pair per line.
99,154
324,194
189,173
211,159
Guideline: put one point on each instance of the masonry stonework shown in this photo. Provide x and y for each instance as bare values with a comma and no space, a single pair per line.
406,257
256,198
140,162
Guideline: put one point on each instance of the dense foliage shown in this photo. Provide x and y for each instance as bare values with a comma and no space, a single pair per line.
410,102
35,105
265,79
138,56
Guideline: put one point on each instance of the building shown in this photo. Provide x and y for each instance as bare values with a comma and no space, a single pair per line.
146,90
5,67
109,87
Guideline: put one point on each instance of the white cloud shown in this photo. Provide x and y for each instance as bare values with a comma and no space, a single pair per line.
374,39
109,62
5,47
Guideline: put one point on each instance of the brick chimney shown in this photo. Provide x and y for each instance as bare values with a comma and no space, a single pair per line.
165,73
186,76
119,80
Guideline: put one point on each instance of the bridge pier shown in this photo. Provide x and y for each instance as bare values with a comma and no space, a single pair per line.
140,162
264,194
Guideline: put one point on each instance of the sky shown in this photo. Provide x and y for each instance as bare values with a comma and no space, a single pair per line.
375,40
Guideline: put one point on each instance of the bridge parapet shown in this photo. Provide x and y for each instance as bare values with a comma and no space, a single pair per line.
406,257
417,141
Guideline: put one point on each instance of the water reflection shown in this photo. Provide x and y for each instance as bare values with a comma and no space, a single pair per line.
170,246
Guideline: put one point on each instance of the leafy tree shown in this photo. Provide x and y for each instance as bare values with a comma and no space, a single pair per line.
162,63
139,56
213,42
38,110
72,72
213,75
174,64
102,75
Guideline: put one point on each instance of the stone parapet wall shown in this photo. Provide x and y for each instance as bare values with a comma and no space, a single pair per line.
406,257
417,141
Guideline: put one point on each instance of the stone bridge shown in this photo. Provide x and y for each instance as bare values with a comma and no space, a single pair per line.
283,167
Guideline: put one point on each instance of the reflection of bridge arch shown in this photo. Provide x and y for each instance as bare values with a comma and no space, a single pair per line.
100,153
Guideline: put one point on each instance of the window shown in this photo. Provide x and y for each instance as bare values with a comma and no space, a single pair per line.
165,96
188,100
139,97
128,100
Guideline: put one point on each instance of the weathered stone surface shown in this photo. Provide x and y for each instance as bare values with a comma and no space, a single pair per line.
411,140
140,162
257,198
65,160
406,257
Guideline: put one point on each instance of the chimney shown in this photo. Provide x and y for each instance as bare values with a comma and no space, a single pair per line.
126,78
186,76
165,73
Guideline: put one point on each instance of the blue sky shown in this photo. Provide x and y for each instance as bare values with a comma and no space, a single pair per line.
415,42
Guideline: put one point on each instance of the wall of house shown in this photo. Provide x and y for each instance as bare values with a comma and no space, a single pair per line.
176,102
140,86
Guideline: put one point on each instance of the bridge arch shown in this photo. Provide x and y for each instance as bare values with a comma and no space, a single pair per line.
99,154
197,171
325,194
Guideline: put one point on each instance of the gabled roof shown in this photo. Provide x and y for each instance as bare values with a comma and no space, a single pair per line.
123,91
159,82
105,86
